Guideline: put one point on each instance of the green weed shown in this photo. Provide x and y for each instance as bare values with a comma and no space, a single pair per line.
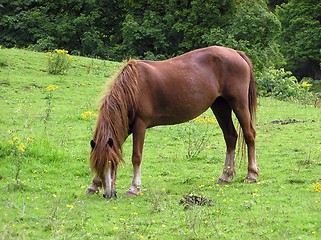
49,95
198,137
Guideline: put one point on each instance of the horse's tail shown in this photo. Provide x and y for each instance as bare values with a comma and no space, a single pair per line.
252,89
252,100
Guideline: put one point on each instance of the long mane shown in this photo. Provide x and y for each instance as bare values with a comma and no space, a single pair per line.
116,113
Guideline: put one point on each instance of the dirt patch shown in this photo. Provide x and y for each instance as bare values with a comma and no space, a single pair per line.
189,200
286,121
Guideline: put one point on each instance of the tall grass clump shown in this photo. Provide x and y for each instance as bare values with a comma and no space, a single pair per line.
59,61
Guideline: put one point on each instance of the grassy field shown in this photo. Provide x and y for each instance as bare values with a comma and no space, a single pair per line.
44,164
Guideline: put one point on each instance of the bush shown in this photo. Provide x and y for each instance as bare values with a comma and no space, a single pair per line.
59,61
44,44
282,85
92,45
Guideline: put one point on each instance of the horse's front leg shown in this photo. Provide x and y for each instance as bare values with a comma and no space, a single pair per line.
95,186
139,130
135,187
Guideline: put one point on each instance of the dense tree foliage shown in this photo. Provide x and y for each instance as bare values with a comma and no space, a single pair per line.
158,29
301,36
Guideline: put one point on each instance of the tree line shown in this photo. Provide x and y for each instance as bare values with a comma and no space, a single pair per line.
273,33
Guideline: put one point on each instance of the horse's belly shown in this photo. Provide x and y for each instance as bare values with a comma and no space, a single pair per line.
180,108
172,97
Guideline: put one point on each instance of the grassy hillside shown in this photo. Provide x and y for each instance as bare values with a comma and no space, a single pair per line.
44,154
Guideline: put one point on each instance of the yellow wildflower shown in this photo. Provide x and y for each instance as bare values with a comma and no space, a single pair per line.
61,51
16,139
254,194
317,186
22,147
205,119
86,115
305,84
70,206
51,88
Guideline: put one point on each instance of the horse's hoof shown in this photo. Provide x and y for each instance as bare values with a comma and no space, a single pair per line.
131,194
250,180
222,181
91,191
113,195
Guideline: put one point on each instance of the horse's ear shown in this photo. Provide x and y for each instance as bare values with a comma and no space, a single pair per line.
110,142
92,144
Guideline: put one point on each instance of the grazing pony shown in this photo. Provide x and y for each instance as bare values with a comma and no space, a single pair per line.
151,93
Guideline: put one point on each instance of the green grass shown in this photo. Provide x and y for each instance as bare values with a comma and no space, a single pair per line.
43,189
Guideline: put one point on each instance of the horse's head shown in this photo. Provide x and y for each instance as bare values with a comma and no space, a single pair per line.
112,128
104,159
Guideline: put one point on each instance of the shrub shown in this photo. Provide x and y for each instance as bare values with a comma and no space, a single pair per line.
59,61
44,44
282,85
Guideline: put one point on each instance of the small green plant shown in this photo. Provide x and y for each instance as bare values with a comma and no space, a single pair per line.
18,149
49,91
59,61
198,139
15,150
3,62
52,219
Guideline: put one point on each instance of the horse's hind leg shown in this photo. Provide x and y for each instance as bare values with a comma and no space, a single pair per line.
223,112
243,115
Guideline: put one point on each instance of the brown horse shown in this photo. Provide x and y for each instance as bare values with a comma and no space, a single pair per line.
151,93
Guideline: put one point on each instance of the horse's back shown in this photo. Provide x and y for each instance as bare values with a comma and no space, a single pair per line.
207,64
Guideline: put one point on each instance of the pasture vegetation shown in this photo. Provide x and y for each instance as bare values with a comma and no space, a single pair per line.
47,122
